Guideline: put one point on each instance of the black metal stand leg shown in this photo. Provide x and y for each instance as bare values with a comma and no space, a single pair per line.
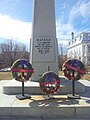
73,87
22,88
73,95
23,96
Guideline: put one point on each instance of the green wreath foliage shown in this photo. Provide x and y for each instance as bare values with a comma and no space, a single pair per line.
50,82
73,69
21,70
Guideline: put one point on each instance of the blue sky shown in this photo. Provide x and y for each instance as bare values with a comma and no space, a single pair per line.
16,19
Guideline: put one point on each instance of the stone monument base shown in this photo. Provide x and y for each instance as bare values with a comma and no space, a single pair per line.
33,88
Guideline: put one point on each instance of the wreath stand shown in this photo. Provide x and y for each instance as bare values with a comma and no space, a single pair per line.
73,70
21,96
48,96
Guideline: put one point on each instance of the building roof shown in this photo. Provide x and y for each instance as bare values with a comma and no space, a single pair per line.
81,38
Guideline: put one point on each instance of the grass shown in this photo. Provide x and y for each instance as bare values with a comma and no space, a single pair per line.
85,77
8,76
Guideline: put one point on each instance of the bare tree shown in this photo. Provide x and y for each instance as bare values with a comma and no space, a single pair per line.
12,51
60,48
61,55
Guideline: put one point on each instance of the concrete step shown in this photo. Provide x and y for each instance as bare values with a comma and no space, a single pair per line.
33,88
38,107
31,118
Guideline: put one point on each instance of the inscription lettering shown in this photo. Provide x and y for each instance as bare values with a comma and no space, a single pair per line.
43,45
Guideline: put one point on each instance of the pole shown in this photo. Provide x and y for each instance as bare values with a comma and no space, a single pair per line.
22,88
73,87
23,82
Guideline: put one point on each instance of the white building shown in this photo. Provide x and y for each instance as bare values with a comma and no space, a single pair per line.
79,48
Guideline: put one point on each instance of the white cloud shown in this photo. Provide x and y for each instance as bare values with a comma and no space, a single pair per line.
64,32
85,11
80,9
14,28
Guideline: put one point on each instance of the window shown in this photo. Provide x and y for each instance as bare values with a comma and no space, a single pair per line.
88,49
80,37
88,36
83,48
88,58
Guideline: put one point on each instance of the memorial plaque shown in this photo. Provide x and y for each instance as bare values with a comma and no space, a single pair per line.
44,49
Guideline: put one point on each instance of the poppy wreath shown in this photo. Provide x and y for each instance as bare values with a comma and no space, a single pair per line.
74,69
21,70
50,82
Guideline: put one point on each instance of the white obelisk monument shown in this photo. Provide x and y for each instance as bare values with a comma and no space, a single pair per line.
44,51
